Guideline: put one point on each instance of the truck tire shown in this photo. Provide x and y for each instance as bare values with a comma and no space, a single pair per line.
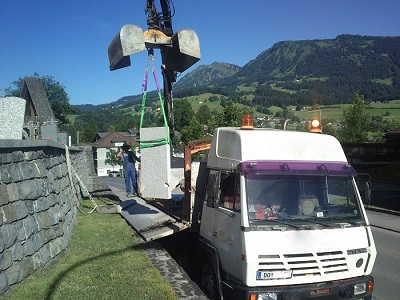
209,281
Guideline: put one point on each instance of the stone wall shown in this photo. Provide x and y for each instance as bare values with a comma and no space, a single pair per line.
38,204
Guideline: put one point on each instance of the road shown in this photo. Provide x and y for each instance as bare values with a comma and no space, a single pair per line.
386,270
385,195
387,265
117,182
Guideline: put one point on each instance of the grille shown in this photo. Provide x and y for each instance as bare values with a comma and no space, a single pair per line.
306,264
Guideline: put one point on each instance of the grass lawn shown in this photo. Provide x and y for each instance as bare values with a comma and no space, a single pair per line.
103,261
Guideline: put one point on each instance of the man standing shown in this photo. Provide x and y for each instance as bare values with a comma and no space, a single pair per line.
129,158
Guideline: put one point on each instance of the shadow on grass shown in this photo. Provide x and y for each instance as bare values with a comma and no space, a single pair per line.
57,281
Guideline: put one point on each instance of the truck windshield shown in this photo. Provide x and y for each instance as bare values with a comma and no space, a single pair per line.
302,199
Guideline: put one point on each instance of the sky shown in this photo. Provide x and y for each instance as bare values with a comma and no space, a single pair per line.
68,40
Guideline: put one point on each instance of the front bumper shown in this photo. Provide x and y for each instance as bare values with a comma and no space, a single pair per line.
341,289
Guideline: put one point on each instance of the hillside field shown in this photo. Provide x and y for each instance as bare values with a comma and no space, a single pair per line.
389,110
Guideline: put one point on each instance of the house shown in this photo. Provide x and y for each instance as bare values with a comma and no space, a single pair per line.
40,121
103,142
37,105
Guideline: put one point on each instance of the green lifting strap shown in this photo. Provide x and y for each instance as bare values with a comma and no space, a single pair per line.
161,141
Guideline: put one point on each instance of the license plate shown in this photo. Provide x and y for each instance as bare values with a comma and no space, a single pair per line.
268,275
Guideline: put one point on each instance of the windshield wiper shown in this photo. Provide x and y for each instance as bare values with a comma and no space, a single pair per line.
277,221
313,220
340,219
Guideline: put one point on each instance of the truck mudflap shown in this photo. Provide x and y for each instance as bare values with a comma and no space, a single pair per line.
351,289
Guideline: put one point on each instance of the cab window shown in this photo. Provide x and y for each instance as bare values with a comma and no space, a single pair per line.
230,191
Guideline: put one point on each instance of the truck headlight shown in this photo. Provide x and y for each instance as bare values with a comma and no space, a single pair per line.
267,296
360,288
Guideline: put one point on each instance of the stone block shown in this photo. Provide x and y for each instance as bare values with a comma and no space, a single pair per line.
17,251
31,225
5,176
37,260
30,155
33,244
9,214
155,173
2,246
18,156
14,273
15,172
44,254
29,170
27,267
4,198
21,230
12,191
3,283
27,190
43,220
20,208
9,234
6,259
55,247
12,112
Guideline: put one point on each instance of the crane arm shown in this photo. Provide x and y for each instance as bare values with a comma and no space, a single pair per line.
163,22
179,51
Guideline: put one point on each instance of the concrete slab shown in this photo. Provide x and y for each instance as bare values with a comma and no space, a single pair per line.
12,112
155,172
148,221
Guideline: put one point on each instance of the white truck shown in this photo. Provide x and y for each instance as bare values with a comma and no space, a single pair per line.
276,214
281,218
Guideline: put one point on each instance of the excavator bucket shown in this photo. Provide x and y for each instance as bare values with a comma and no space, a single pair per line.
128,41
185,51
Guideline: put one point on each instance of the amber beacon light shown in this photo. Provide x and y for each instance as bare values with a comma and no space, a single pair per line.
315,126
247,122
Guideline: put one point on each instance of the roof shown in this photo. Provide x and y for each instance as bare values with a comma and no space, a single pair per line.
131,133
37,102
109,140
230,146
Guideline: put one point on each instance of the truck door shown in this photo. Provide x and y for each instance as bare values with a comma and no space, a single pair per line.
227,220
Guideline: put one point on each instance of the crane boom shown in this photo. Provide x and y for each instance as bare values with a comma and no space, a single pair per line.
179,51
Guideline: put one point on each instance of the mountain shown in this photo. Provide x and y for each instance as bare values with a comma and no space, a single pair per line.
335,69
206,75
328,71
312,71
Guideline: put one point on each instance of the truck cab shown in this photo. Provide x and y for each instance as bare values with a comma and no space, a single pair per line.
282,218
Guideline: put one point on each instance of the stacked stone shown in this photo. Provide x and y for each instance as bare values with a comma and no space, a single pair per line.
38,206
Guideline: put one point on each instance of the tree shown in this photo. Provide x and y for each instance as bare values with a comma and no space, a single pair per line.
89,131
183,113
203,114
56,94
112,159
356,122
329,129
215,120
233,115
193,131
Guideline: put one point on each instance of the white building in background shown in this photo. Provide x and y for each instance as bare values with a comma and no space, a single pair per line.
102,144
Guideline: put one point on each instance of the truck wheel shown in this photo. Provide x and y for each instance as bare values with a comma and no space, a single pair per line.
209,282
